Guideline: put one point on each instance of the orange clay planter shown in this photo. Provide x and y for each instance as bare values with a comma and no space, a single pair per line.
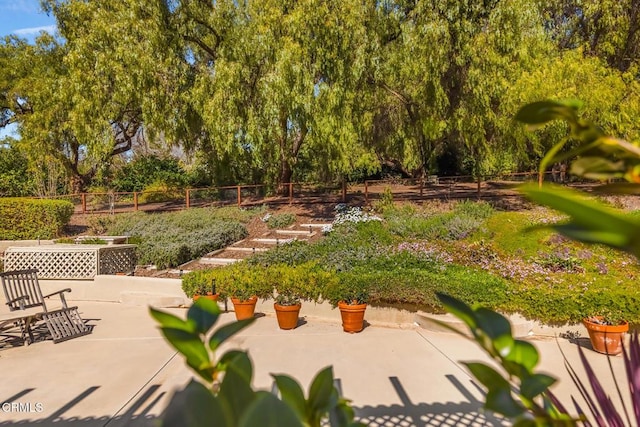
244,309
212,297
352,316
606,339
287,315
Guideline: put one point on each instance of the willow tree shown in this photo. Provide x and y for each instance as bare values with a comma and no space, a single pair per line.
88,94
280,87
608,29
446,66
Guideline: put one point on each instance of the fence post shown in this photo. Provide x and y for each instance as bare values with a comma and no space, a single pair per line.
421,186
366,192
239,197
479,184
344,190
84,202
188,198
290,192
135,200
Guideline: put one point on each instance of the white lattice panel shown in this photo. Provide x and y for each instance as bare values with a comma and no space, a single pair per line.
71,261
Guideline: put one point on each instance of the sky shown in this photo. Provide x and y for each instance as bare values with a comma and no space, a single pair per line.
24,19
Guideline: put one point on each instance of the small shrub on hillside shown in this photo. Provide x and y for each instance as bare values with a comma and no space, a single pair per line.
32,218
478,210
158,192
385,203
279,220
99,224
560,259
296,252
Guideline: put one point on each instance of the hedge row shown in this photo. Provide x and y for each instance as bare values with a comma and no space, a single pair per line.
32,218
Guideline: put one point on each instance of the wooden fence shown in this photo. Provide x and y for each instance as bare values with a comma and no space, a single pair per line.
430,187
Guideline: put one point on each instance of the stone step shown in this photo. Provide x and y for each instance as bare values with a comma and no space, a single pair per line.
315,225
244,249
219,261
273,241
296,233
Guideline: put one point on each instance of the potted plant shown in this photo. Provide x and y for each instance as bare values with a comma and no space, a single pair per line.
291,286
244,284
200,283
350,293
606,333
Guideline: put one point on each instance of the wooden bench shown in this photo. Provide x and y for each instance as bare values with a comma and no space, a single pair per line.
27,305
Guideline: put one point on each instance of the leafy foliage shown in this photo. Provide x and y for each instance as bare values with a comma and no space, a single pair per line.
171,239
227,395
15,181
143,171
517,392
600,156
280,220
33,219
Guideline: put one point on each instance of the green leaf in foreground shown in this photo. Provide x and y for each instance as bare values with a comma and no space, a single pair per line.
590,221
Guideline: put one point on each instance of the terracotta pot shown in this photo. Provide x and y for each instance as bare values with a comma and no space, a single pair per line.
606,339
212,297
352,316
244,309
287,315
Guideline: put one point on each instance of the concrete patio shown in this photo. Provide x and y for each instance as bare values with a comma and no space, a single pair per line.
123,373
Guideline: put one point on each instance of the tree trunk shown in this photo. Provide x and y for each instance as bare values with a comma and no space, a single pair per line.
286,173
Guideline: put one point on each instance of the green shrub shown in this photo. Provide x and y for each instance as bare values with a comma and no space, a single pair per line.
304,282
350,288
145,171
478,210
99,224
234,213
158,192
281,220
242,281
32,218
198,282
171,239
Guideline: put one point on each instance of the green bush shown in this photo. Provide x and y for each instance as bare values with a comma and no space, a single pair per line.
32,218
171,239
242,281
350,288
304,282
198,282
144,171
281,220
158,192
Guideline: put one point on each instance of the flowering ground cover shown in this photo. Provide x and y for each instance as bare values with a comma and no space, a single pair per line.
501,259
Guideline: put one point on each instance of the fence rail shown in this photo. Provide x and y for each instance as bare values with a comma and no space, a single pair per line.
429,187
